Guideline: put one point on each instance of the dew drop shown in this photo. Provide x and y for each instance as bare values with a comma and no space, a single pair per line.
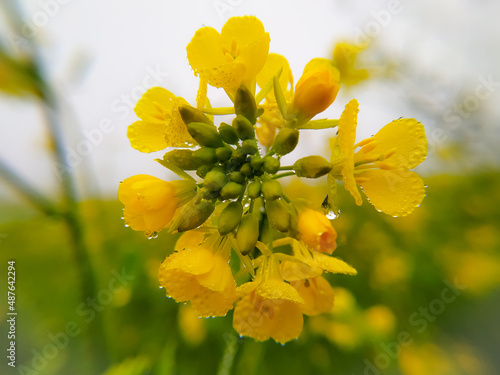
331,215
151,235
126,225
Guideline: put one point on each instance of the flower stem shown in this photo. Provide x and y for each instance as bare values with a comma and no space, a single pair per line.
286,174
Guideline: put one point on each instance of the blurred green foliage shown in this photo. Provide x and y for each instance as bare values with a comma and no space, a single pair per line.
404,265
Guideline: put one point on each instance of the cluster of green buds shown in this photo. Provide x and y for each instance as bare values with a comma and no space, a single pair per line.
233,169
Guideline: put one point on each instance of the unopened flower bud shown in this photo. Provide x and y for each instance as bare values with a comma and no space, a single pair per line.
253,189
317,88
244,128
205,134
271,165
237,177
313,166
249,146
203,170
228,133
214,180
244,104
257,162
231,190
278,215
205,155
194,214
183,159
316,231
190,114
286,141
247,170
271,189
248,233
230,218
223,153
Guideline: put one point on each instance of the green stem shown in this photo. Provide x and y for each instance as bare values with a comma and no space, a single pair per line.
219,111
286,168
320,124
28,191
286,174
285,198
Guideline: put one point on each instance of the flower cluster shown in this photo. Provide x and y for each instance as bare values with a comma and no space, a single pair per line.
236,204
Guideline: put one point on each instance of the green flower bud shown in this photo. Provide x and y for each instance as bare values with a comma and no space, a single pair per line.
278,215
244,104
257,162
184,159
203,170
239,156
231,190
205,134
214,180
286,140
204,156
190,114
228,134
244,129
193,214
249,146
246,170
209,194
271,165
223,153
313,166
237,177
253,189
248,233
230,218
271,189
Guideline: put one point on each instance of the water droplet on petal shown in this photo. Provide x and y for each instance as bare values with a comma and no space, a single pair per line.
331,215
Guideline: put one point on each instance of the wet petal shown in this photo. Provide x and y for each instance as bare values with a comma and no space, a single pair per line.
346,138
275,63
317,294
147,136
394,192
332,264
404,140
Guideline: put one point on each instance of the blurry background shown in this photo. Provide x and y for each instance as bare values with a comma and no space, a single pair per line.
426,299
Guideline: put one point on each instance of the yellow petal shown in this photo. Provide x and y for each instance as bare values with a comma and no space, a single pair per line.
403,140
317,294
175,131
212,303
147,136
273,65
249,319
248,43
189,240
332,264
346,138
155,105
247,288
396,192
320,64
293,271
204,52
196,261
288,322
277,289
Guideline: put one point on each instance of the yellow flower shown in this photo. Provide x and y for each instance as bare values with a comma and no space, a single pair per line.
316,231
382,166
344,58
161,124
270,307
316,293
150,203
317,88
201,277
232,57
